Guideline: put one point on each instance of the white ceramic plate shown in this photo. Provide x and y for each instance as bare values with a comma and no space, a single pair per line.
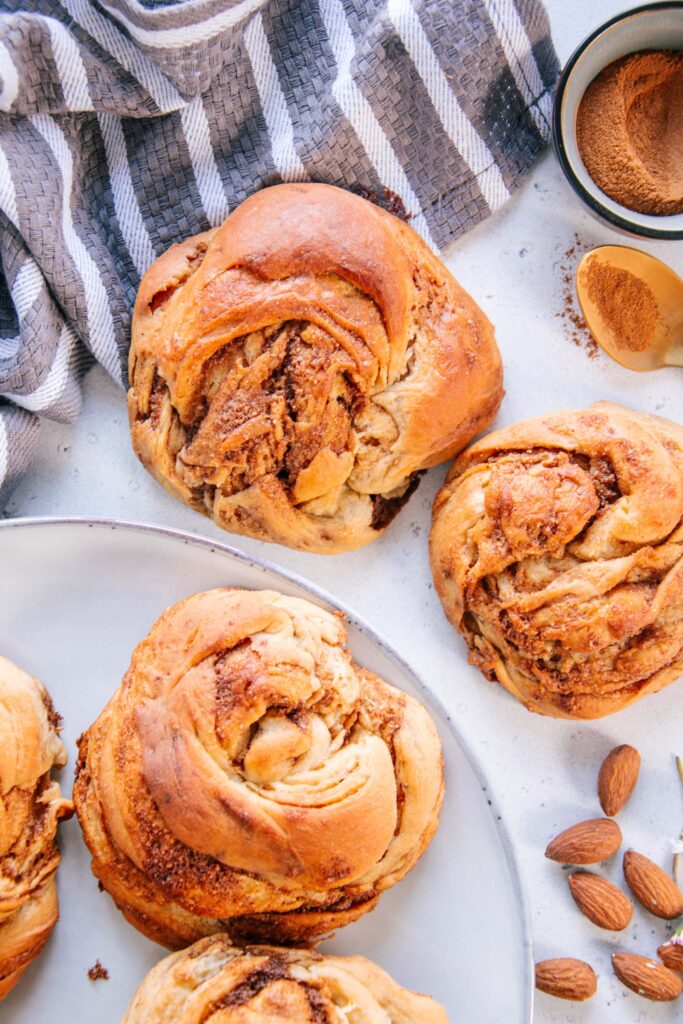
75,598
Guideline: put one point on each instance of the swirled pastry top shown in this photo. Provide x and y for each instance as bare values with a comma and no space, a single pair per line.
30,807
217,983
292,370
557,549
249,776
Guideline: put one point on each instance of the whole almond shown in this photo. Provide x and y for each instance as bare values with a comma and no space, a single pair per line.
601,901
617,778
652,887
586,843
565,978
671,954
647,977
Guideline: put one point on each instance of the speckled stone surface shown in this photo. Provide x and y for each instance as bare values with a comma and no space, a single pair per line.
543,771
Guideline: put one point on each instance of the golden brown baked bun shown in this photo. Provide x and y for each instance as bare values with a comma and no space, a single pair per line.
214,982
30,807
557,550
293,370
249,777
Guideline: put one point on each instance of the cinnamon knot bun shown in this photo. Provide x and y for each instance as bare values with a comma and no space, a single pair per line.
30,807
217,983
293,371
249,777
557,550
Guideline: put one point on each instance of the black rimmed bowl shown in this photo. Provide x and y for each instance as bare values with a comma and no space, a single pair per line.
657,26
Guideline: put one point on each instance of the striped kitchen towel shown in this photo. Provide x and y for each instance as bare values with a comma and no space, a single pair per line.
126,125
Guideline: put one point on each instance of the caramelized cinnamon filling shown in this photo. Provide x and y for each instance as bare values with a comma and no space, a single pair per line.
271,401
531,540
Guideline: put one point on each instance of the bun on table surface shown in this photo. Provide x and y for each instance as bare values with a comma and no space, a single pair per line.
293,371
218,983
249,777
31,805
557,551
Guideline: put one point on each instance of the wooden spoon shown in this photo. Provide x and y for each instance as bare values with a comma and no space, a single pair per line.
666,286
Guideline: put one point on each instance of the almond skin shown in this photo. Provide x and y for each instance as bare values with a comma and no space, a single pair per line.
588,842
602,903
565,978
617,778
647,977
652,887
671,955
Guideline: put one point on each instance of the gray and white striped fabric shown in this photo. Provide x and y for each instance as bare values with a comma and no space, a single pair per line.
126,125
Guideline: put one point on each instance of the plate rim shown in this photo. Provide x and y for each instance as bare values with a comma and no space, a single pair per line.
320,593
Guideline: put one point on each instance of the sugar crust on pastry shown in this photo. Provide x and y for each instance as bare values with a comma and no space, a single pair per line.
217,983
31,805
293,370
249,777
557,550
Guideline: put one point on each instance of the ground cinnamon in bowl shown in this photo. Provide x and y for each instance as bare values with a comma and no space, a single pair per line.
626,303
629,130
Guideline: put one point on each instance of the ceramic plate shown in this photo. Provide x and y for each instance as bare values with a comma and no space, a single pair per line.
75,598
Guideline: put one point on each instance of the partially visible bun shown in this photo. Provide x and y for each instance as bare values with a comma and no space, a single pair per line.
30,807
557,550
217,983
293,370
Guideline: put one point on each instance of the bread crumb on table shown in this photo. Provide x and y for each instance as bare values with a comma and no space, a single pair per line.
97,972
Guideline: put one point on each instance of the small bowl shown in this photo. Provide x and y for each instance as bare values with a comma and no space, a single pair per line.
656,26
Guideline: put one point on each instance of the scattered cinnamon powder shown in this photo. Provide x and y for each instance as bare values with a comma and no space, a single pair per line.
98,973
575,327
626,303
629,129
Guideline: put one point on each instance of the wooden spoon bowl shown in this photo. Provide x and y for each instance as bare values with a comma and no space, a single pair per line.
666,347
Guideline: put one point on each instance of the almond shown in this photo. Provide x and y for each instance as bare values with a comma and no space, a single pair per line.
671,954
586,843
565,978
617,778
652,887
602,903
647,977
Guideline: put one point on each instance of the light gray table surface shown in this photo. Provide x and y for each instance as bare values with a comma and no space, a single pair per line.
543,771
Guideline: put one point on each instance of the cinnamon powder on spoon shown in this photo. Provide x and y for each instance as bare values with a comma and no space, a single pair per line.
629,130
626,303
